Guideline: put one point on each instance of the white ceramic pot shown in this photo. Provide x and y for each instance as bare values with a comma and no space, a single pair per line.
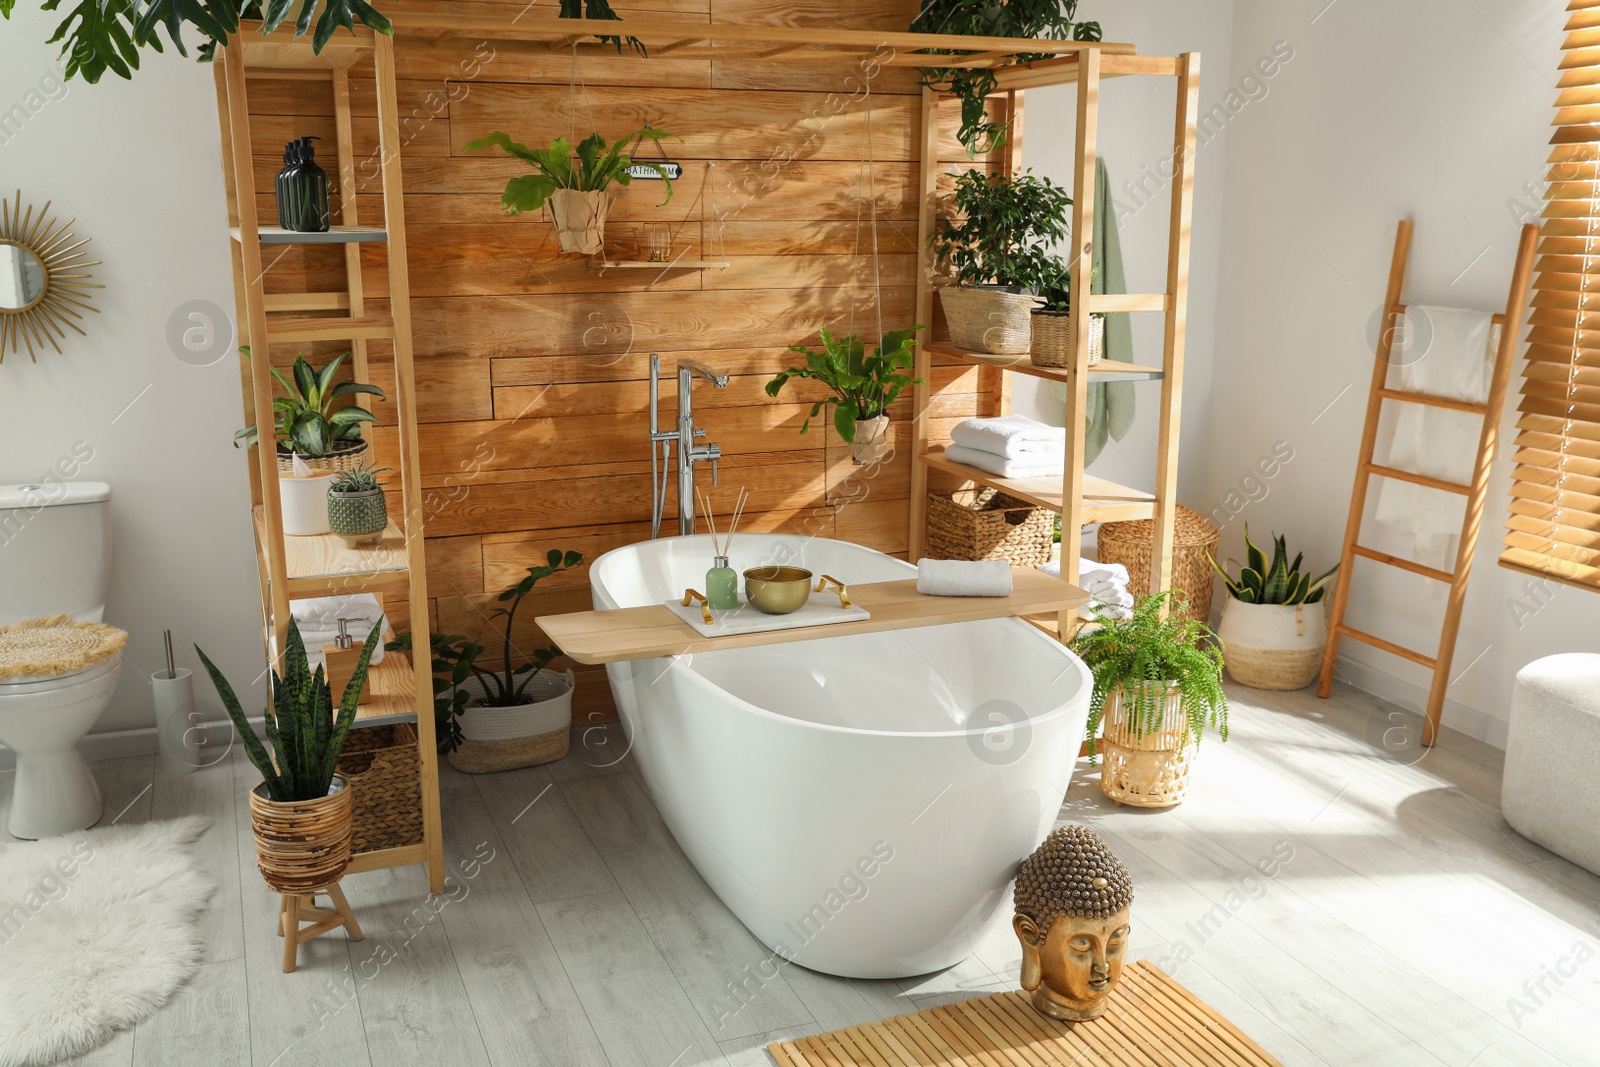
549,708
1273,646
872,441
305,504
580,219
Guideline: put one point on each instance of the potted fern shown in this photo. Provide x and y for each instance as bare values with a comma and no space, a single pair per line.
509,715
575,184
1157,686
1273,628
863,386
301,811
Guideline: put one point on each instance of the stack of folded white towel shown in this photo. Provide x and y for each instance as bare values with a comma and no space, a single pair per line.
1106,584
1014,446
318,621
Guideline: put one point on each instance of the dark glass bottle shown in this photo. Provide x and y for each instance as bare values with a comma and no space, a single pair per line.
302,189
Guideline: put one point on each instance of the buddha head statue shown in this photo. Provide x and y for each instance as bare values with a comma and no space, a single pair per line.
1072,902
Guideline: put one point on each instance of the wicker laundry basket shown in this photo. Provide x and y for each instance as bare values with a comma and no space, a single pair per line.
383,766
1193,538
989,320
1052,339
988,524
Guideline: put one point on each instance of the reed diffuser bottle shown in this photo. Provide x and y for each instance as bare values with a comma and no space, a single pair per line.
722,583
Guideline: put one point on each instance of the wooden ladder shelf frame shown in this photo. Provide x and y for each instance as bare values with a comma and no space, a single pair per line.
247,56
1085,70
1475,492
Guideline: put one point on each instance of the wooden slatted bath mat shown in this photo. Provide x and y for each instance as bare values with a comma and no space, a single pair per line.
1152,1021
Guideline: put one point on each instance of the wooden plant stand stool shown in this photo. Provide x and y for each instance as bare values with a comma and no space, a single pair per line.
301,908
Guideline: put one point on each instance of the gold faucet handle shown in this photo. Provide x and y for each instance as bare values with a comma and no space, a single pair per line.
690,596
844,591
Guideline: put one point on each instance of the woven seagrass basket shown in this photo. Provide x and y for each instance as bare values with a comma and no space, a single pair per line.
988,524
347,456
989,320
383,766
1128,543
1052,339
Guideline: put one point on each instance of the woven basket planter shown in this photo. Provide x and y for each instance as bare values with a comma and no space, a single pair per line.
1128,543
384,769
346,456
1151,769
302,845
503,739
358,518
1273,646
580,219
1052,339
988,524
989,320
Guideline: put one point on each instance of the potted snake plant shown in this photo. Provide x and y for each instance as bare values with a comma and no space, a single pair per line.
1157,686
301,811
1273,627
863,386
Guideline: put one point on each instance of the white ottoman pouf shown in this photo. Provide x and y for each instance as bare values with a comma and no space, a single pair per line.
1551,790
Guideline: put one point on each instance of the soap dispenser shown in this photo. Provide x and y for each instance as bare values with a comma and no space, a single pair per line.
339,663
302,189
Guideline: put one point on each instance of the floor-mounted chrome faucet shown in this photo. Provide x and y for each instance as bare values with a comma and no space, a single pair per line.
684,436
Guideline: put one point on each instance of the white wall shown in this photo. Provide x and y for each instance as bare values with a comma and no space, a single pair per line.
139,166
1433,110
1136,137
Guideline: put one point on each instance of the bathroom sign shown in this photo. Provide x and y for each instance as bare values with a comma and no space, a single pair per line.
673,170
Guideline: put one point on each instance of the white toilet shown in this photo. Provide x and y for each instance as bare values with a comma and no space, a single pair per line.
55,557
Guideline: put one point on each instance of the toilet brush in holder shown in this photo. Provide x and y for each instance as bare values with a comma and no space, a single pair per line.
177,724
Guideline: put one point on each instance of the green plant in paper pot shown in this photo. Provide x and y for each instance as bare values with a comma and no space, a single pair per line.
1273,624
863,386
1157,686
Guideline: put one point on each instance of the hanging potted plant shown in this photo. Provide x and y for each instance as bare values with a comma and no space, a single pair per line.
1156,688
509,716
301,811
863,386
575,184
997,251
357,511
1273,628
314,440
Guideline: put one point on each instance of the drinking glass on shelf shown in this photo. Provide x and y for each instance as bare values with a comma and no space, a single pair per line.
657,242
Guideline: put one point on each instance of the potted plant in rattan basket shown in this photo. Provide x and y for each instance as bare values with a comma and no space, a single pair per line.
509,716
997,248
1273,627
576,184
357,511
863,387
301,811
1157,685
1051,340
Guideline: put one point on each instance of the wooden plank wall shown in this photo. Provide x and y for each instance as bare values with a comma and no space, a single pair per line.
533,367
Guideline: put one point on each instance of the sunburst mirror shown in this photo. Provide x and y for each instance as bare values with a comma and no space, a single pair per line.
44,280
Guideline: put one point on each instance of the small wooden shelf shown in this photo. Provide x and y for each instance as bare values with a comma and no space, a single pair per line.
392,692
1107,370
603,265
595,637
1103,500
323,565
337,235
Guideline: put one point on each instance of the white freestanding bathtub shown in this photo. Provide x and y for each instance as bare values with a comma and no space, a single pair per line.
860,803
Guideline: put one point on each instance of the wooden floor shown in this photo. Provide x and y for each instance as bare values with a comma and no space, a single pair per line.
1403,924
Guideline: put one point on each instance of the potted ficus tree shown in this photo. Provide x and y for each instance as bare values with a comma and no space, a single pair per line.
1157,685
1273,628
997,249
575,184
515,714
863,386
301,811
314,439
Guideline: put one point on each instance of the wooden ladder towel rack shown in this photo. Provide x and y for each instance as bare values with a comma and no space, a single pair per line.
1474,492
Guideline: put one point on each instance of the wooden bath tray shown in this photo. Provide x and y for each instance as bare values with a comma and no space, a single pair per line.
594,637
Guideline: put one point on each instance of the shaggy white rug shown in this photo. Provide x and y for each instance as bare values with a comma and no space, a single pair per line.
97,930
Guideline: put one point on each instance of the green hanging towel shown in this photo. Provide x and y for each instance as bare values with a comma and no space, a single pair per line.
1110,413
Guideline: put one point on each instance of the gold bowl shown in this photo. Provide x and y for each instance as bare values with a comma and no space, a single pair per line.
777,590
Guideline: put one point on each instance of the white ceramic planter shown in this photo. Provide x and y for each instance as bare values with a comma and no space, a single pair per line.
305,504
1273,646
872,441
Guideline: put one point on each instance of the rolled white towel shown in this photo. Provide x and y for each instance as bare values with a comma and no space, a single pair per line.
960,577
1036,465
1012,436
1095,573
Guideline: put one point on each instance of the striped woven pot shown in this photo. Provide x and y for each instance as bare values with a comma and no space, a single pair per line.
302,845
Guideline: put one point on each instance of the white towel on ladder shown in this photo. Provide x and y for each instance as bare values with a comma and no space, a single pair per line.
1446,352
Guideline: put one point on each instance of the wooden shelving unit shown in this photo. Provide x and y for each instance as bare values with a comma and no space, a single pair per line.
1080,498
299,567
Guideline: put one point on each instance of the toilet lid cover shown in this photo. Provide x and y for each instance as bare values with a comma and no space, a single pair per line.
54,646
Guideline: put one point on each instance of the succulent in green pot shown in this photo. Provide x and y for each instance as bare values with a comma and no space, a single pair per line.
357,510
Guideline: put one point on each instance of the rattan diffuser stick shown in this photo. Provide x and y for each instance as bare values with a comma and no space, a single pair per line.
738,513
711,521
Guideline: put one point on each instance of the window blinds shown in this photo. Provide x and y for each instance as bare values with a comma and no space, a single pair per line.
1554,527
